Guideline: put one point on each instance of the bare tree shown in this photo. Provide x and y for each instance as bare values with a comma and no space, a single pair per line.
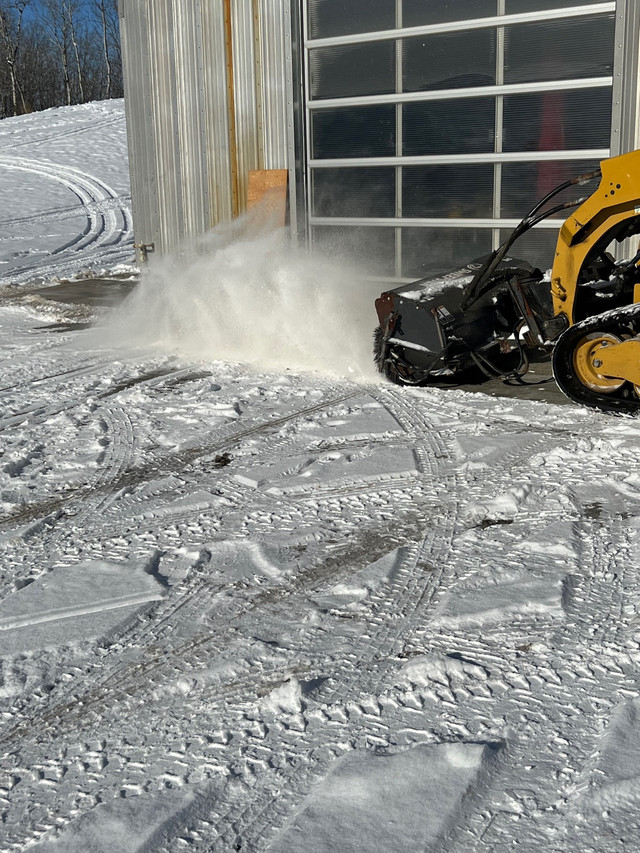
54,21
101,9
55,52
60,19
11,26
70,10
107,22
40,70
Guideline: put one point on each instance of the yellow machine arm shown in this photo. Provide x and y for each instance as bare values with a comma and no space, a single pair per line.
616,201
596,361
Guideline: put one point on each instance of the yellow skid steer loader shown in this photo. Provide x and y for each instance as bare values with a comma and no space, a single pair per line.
491,316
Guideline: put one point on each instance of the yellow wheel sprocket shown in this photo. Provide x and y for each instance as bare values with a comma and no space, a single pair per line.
585,362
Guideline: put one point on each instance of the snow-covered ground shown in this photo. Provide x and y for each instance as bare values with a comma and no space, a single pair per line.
277,610
65,192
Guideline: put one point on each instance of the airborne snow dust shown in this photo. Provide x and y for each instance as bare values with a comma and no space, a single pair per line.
244,293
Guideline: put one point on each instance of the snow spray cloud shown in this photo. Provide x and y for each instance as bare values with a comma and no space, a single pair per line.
243,293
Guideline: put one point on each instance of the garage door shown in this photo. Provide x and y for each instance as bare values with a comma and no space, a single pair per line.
432,128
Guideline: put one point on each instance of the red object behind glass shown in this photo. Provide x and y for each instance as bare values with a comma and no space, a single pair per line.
551,139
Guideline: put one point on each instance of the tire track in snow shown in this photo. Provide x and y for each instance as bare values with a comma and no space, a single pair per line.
607,555
496,479
81,504
38,412
431,525
115,462
360,674
339,566
162,465
121,444
407,611
132,682
128,683
55,135
257,813
579,681
102,204
69,373
108,217
61,214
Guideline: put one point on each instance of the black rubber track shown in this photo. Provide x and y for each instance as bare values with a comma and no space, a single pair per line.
621,322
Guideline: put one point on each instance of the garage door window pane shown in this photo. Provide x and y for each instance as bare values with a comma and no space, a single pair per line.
449,127
523,184
371,248
515,7
557,121
449,61
418,13
537,246
352,70
354,192
429,251
559,50
354,132
447,191
328,18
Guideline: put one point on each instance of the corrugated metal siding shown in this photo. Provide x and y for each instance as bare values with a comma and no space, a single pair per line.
626,88
218,177
163,100
206,100
245,92
190,109
276,97
141,132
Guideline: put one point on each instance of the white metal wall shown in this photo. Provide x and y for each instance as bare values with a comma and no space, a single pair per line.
207,96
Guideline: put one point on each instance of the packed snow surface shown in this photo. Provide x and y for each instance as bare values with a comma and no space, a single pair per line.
286,609
65,192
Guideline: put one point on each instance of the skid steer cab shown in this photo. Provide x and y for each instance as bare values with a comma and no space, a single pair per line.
489,318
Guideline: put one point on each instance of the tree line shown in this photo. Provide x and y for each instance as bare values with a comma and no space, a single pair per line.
58,52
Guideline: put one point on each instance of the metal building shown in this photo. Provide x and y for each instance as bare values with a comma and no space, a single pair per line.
413,131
